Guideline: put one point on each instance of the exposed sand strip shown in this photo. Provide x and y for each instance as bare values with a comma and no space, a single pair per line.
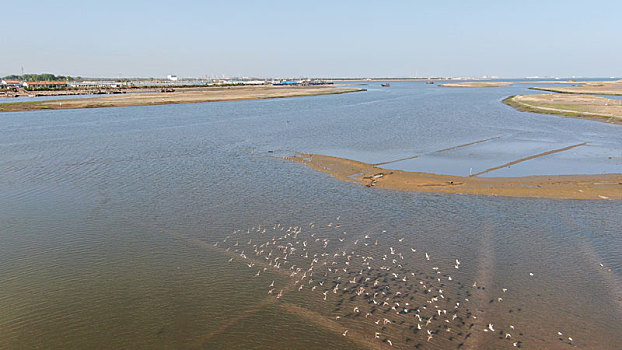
466,144
603,187
581,106
590,87
578,90
528,158
194,95
439,151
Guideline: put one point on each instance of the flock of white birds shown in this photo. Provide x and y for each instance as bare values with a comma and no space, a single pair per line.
375,286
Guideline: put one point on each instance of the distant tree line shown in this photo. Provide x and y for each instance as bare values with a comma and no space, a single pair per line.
40,77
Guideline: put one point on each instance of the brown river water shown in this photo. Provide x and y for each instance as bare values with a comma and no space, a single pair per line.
180,227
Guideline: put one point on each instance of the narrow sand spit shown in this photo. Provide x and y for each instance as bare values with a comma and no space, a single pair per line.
592,87
603,187
194,95
570,105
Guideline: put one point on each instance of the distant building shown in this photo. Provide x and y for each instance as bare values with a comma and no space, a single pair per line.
44,84
254,82
10,84
288,82
98,84
172,77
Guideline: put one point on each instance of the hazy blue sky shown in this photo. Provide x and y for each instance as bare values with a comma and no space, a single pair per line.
312,38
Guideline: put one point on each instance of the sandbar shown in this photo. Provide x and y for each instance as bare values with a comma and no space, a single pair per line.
187,95
601,187
592,88
590,84
569,105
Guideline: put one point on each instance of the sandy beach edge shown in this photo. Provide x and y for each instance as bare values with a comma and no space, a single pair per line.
181,97
523,107
600,187
579,90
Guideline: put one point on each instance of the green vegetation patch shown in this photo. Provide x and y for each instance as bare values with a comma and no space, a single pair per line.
41,77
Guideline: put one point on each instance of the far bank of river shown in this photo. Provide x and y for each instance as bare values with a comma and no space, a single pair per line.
186,95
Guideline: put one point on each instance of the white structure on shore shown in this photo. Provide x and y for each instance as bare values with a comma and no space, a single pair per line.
10,84
172,77
44,84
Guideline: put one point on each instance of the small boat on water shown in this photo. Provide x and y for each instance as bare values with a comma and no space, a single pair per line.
385,85
429,82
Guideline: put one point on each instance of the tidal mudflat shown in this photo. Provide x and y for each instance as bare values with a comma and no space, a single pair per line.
181,226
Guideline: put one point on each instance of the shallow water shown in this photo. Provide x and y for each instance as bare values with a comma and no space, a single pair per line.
109,219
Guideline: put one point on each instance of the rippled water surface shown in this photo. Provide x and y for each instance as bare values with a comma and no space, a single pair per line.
159,227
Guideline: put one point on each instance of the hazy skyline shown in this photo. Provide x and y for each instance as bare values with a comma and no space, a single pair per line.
315,39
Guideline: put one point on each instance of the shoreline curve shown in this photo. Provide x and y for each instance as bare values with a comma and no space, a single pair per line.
569,105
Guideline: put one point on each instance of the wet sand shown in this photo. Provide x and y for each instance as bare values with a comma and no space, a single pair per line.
570,105
192,95
604,187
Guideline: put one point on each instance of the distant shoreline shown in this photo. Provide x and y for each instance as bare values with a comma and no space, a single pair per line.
183,95
478,84
607,186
